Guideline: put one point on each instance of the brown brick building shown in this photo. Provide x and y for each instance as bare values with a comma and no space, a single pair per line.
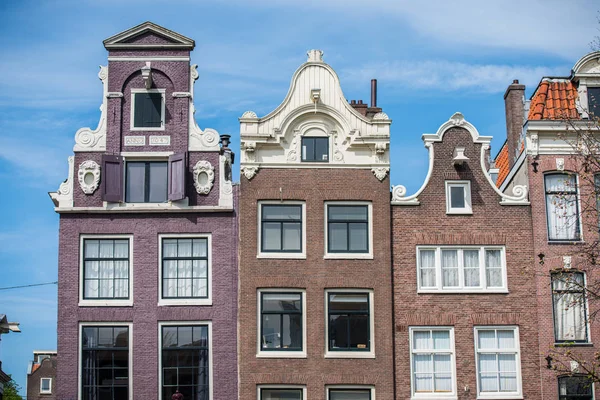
464,293
544,156
315,313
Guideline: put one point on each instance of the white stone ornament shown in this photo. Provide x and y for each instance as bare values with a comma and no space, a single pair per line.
560,164
204,177
88,176
249,114
249,172
381,116
380,172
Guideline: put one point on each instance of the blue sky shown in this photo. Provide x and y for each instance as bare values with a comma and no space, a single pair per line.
431,59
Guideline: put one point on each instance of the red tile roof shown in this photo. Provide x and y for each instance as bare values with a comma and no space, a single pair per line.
502,165
554,99
35,367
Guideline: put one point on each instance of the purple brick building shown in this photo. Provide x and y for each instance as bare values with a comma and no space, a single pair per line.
148,237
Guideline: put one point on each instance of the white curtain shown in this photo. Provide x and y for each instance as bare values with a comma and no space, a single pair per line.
106,284
497,369
442,367
563,221
493,268
449,268
432,371
488,372
121,268
471,267
169,268
569,307
427,265
507,367
423,369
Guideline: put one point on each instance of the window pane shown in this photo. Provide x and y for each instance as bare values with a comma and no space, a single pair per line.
493,268
290,302
158,182
338,331
421,340
281,394
281,213
271,236
200,248
147,110
449,268
506,339
594,102
427,265
441,340
271,331
315,149
563,183
136,182
486,339
338,237
457,197
292,331
292,236
348,213
348,394
359,331
358,237
91,248
308,149
575,385
471,265
348,302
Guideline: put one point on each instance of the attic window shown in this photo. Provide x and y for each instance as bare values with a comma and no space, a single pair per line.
148,109
594,102
315,149
458,197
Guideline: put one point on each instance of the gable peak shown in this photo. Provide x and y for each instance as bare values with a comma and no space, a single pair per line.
168,39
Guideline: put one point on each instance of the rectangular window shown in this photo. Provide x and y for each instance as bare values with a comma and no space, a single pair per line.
106,269
594,102
185,268
570,313
350,323
349,394
46,386
575,388
432,362
281,321
146,182
147,109
315,149
105,367
184,362
458,197
281,228
465,269
562,207
348,228
498,361
281,394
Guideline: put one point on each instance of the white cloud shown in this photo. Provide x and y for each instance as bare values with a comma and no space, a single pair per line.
448,76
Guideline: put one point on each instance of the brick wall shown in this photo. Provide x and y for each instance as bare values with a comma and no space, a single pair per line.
47,369
490,224
315,274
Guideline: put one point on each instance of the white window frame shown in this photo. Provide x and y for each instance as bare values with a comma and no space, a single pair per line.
49,391
350,387
132,109
447,396
468,208
349,256
279,354
105,302
210,351
579,210
482,288
586,305
80,352
286,255
259,387
184,302
499,395
351,354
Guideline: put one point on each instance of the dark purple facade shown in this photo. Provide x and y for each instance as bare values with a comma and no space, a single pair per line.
209,210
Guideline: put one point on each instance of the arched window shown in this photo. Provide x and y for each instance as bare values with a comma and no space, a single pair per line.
575,388
570,314
562,208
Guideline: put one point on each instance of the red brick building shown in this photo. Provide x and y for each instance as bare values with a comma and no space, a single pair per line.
543,154
315,312
464,297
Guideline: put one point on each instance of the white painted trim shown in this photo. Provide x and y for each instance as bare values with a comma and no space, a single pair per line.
185,302
178,40
142,208
350,387
433,395
280,354
163,117
516,167
210,351
80,351
314,165
579,216
467,209
349,256
105,302
41,386
439,288
500,395
275,255
147,58
153,155
280,386
351,354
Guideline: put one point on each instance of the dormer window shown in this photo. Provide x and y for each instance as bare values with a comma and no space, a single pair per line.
315,149
148,109
594,101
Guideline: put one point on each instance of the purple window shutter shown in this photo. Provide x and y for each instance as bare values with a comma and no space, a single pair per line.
112,178
177,172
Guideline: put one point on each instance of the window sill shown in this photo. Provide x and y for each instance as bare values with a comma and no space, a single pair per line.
456,291
459,212
498,396
433,396
573,344
133,129
105,303
281,354
282,255
348,256
566,242
349,354
184,302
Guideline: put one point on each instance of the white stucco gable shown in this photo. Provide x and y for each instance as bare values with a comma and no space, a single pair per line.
315,106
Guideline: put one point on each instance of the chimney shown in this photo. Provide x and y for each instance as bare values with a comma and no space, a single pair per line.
373,92
514,103
364,108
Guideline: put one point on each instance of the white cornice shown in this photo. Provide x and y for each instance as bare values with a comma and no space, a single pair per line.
147,58
177,40
594,57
